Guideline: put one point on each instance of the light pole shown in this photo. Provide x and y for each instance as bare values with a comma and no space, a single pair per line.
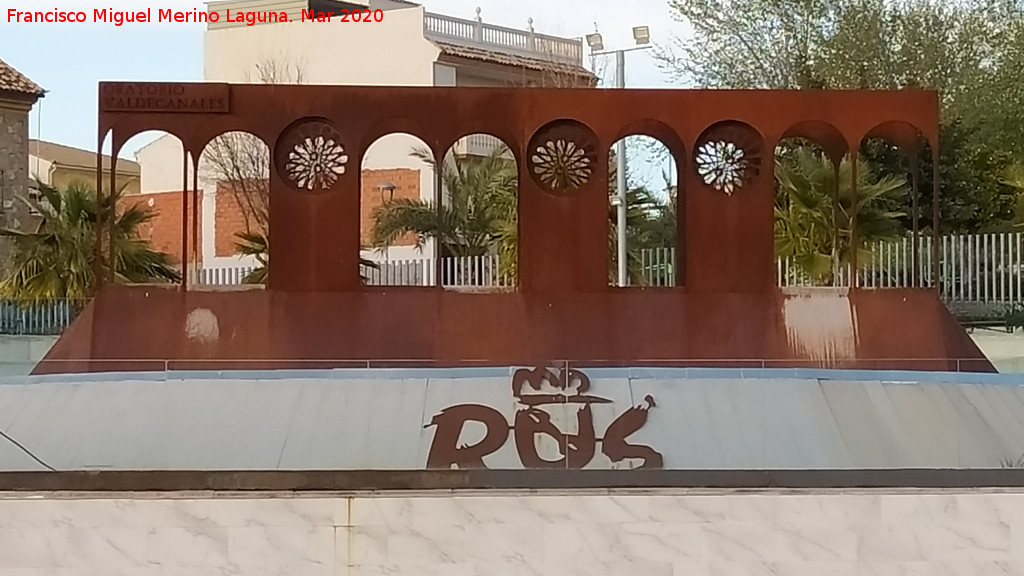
642,36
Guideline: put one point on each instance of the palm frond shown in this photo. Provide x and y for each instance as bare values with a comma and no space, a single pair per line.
58,259
814,211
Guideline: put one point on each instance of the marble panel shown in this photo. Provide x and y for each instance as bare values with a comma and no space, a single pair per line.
713,533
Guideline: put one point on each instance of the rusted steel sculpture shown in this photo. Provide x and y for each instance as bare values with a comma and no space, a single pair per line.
725,309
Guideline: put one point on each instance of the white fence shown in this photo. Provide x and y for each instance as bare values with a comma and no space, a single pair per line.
983,268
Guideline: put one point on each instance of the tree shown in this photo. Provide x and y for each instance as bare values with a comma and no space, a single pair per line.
806,222
971,51
1014,178
56,260
975,195
478,211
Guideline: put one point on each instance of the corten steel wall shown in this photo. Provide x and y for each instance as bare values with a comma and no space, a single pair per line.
725,307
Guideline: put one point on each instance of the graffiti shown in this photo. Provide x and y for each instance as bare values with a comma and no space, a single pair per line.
533,389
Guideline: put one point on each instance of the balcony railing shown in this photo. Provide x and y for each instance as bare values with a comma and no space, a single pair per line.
526,42
477,145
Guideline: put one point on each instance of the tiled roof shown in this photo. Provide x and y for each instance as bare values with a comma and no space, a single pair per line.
13,81
510,59
62,155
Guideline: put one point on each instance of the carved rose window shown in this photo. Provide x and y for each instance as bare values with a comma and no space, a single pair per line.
562,157
722,165
561,165
312,156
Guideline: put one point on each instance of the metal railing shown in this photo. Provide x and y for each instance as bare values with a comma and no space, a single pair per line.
983,268
977,268
865,369
462,272
224,276
38,318
499,38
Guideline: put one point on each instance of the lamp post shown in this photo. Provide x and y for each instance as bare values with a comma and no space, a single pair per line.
642,36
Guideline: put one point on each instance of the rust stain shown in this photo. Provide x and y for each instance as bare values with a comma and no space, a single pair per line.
820,325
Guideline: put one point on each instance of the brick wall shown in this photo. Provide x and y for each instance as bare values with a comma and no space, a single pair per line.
164,231
407,185
230,218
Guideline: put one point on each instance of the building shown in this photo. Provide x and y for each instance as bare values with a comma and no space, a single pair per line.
58,165
409,47
18,95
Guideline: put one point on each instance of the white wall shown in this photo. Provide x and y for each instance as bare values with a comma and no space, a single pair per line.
20,354
39,168
392,52
161,165
660,532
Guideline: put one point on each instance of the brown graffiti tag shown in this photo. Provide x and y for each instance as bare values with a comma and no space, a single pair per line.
530,423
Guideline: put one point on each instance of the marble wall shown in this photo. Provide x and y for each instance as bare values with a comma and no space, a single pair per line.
655,533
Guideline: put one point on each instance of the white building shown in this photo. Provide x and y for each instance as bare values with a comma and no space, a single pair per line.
407,47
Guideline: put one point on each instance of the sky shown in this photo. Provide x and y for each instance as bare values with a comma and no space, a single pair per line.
69,59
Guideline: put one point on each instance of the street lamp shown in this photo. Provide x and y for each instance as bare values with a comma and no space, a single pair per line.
387,192
642,37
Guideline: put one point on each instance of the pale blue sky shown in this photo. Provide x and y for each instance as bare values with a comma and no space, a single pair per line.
68,60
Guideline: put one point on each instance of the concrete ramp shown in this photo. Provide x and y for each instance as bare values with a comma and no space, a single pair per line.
508,418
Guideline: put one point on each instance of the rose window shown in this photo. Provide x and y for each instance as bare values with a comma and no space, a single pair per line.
723,165
561,165
562,157
312,156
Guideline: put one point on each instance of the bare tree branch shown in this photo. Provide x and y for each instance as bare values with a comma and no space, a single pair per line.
240,162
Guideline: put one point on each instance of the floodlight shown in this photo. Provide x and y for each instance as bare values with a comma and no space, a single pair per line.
642,35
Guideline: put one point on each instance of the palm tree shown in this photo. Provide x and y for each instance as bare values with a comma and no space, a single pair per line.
478,214
257,244
56,260
805,219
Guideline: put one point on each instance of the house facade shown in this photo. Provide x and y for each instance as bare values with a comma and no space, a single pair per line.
18,95
60,166
408,46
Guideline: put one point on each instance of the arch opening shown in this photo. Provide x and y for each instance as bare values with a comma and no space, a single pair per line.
812,199
643,193
895,187
234,214
480,201
399,217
